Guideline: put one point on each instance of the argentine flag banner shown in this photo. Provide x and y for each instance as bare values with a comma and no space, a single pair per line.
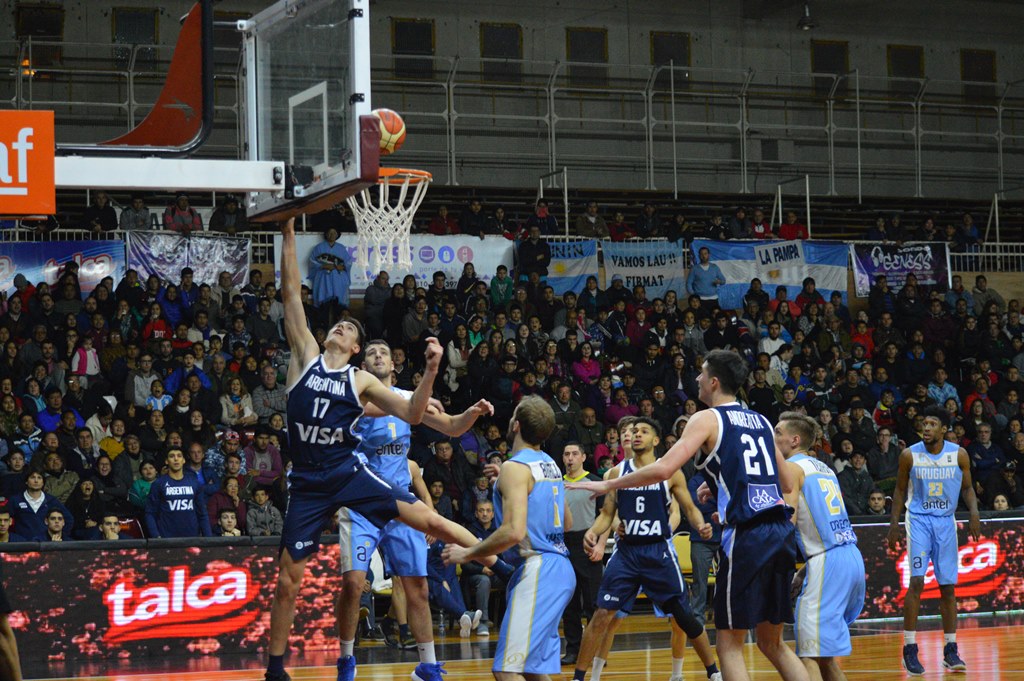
571,263
776,263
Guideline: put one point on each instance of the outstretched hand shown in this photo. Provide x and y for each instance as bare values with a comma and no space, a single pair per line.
288,226
596,488
433,354
483,408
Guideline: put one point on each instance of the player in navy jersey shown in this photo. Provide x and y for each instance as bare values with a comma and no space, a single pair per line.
384,443
326,396
531,512
933,474
736,447
832,593
644,555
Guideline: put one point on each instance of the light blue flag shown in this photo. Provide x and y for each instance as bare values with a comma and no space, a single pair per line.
571,263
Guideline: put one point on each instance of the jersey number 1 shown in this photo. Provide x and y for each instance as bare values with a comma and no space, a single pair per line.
750,456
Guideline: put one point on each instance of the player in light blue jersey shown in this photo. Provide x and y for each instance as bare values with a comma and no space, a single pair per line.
384,442
933,474
832,595
530,507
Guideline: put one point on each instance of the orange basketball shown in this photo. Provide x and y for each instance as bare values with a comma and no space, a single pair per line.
392,131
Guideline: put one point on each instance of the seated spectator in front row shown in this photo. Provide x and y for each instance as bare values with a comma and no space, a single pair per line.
876,503
110,528
6,536
263,519
31,510
227,524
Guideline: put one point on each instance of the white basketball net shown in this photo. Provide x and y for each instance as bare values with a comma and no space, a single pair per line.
384,218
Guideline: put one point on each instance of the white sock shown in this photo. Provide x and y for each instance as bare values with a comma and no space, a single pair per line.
426,651
949,638
595,672
677,667
909,638
347,647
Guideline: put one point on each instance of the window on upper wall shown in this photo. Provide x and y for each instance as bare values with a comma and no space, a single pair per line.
412,43
588,45
42,22
671,48
134,26
830,56
502,42
905,61
976,67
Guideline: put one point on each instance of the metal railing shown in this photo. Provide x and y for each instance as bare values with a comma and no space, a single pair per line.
621,126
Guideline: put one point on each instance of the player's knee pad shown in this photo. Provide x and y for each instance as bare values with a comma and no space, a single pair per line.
690,625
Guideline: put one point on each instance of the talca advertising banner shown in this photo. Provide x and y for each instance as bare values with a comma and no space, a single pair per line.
429,254
929,262
43,261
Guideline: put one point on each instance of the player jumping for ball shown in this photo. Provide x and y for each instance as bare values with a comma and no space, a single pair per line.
933,474
326,395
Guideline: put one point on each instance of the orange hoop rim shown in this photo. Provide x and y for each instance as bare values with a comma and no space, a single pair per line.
414,176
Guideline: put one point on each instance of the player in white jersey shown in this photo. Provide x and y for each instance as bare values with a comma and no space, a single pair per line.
933,474
832,593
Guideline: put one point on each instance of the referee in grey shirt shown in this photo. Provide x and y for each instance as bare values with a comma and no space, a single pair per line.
588,569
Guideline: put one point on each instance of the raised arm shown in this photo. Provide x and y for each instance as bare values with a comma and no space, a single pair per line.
302,343
411,411
454,426
899,494
970,498
701,428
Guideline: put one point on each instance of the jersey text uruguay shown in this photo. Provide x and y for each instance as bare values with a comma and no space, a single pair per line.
935,480
644,511
322,409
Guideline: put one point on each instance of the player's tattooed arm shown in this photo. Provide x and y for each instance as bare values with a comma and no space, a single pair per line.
899,494
970,498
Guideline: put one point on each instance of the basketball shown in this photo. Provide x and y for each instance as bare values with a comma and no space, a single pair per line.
392,131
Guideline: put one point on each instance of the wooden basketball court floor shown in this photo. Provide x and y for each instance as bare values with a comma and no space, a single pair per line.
993,648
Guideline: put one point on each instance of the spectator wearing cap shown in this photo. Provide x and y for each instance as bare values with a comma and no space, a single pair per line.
136,216
618,291
263,460
182,217
229,218
30,510
704,280
230,444
1006,482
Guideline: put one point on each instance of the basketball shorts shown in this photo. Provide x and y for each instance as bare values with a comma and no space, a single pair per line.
654,567
755,570
830,601
537,594
315,494
404,549
933,538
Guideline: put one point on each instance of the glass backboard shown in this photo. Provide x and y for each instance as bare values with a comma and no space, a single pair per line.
306,67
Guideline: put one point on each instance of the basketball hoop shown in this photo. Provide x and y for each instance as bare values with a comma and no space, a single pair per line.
384,220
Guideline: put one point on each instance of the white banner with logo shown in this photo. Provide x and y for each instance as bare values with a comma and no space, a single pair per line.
448,254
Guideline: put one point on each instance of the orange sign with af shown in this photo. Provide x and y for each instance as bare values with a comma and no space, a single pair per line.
26,163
